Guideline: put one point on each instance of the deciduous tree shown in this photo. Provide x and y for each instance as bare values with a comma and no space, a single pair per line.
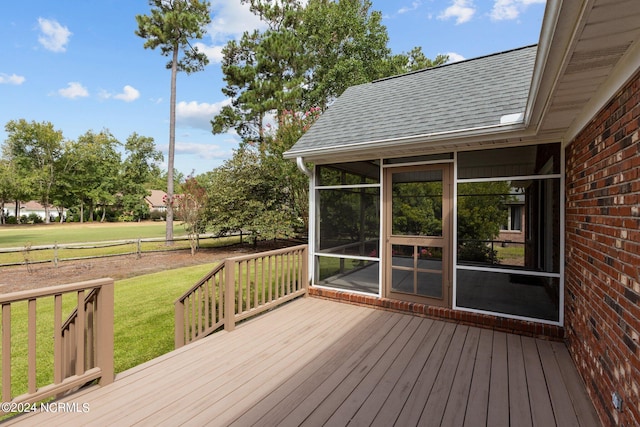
92,170
140,164
36,150
190,207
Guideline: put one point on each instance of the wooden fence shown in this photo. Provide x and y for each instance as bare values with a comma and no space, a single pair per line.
55,253
239,288
82,344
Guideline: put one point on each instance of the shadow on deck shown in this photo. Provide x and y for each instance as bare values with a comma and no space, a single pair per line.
314,362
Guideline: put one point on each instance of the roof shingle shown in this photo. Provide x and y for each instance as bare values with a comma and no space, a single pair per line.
464,95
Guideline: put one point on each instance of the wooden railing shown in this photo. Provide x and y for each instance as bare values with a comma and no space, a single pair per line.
239,288
82,344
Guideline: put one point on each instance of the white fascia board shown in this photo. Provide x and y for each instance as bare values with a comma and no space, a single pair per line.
547,32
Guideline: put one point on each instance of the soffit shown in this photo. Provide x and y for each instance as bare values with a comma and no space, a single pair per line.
596,43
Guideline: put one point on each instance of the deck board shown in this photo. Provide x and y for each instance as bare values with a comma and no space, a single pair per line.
459,396
498,409
436,403
319,406
388,387
541,409
373,381
315,362
520,411
390,408
478,400
283,398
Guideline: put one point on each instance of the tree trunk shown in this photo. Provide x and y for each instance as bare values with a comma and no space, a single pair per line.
17,211
81,212
172,147
47,217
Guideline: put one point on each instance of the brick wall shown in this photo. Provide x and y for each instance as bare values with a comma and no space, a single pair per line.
488,321
602,286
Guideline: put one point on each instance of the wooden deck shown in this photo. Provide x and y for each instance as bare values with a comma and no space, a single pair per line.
315,362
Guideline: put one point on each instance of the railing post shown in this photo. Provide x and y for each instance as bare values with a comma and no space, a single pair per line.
179,324
305,269
6,352
104,341
229,295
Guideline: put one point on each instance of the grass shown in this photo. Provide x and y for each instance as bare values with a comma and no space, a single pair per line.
49,234
143,323
513,254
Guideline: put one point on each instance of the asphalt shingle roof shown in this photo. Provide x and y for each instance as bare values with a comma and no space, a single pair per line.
464,95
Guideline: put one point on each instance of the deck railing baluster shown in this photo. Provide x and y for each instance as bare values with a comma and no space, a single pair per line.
239,288
31,352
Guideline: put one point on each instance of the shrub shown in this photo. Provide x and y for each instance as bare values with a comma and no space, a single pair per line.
34,218
156,215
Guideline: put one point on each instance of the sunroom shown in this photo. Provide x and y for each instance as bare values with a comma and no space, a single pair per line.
416,180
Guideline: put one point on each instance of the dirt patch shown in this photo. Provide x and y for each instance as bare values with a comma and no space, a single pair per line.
19,278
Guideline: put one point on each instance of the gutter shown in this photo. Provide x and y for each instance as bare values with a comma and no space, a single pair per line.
303,167
378,145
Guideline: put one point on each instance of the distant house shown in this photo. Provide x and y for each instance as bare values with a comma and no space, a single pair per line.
412,176
32,207
156,201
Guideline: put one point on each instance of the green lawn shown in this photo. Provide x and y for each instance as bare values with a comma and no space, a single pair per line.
143,325
48,234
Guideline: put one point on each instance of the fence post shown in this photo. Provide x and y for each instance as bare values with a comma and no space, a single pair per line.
229,295
139,251
55,254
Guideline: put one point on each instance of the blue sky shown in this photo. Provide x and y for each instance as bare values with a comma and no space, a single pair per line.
79,65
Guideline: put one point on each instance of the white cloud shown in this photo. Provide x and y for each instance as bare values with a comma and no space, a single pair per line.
510,9
214,53
203,151
54,36
405,9
12,79
74,90
461,10
198,115
231,19
128,94
454,57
